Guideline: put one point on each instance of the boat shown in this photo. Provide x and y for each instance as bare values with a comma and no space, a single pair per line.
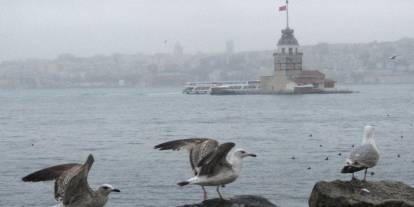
197,88
244,87
222,87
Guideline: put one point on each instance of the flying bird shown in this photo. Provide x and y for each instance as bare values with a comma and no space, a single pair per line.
71,184
393,57
364,156
212,164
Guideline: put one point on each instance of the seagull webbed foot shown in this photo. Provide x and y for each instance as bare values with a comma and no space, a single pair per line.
204,193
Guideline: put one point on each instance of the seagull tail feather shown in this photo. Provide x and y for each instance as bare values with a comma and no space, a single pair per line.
183,183
351,169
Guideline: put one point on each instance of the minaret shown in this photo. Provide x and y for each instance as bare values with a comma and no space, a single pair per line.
287,58
178,50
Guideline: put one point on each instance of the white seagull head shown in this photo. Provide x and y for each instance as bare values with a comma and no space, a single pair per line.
368,134
106,189
241,153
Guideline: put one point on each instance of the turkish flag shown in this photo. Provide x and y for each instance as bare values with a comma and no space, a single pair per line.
282,8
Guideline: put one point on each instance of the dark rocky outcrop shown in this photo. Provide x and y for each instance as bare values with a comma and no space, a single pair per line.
237,201
361,194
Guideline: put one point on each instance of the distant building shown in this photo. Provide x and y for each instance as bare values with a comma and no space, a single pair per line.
229,47
178,50
288,76
288,73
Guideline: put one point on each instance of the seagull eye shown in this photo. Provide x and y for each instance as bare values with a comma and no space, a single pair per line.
105,187
243,151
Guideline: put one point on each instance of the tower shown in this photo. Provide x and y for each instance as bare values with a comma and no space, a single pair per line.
288,76
287,57
287,61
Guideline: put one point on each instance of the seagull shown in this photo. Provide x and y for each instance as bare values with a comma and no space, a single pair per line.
71,184
392,57
212,163
364,156
198,148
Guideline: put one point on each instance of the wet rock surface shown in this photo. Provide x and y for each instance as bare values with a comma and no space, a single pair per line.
357,193
236,201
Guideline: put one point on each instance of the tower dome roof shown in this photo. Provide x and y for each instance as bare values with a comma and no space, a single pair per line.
288,38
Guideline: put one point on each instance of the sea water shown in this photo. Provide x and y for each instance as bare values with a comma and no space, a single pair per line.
44,127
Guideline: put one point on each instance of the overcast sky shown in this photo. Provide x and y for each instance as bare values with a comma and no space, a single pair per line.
47,28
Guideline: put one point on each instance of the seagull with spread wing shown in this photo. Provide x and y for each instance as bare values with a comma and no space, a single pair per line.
71,184
364,156
212,164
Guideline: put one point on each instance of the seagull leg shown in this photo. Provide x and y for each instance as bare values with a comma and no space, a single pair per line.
205,192
218,191
353,176
365,174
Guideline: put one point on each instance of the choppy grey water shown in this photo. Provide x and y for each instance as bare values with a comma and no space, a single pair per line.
121,126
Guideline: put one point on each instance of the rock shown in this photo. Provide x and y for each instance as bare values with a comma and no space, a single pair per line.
242,200
361,194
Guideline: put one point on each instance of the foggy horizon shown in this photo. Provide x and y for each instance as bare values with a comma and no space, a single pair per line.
29,29
104,91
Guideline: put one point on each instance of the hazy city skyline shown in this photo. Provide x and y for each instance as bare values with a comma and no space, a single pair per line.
47,28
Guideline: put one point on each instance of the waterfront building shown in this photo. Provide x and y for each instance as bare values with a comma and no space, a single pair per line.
288,74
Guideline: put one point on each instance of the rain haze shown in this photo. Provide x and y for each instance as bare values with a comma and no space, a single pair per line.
47,28
159,97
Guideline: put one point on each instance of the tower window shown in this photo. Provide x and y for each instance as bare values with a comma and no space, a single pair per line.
290,50
283,50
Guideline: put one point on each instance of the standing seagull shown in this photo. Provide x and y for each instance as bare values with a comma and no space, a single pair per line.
209,161
71,184
364,156
198,148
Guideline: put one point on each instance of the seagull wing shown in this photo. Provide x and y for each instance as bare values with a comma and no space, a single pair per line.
216,159
73,183
50,173
187,144
363,156
198,148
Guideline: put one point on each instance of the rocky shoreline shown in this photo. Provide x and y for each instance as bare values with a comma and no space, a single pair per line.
236,201
358,193
337,193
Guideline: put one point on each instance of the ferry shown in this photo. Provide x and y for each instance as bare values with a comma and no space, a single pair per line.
197,87
243,87
222,87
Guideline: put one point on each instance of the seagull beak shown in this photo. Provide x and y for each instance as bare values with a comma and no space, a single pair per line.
252,155
116,190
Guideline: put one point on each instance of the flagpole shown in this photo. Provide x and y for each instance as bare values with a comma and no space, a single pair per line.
287,14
